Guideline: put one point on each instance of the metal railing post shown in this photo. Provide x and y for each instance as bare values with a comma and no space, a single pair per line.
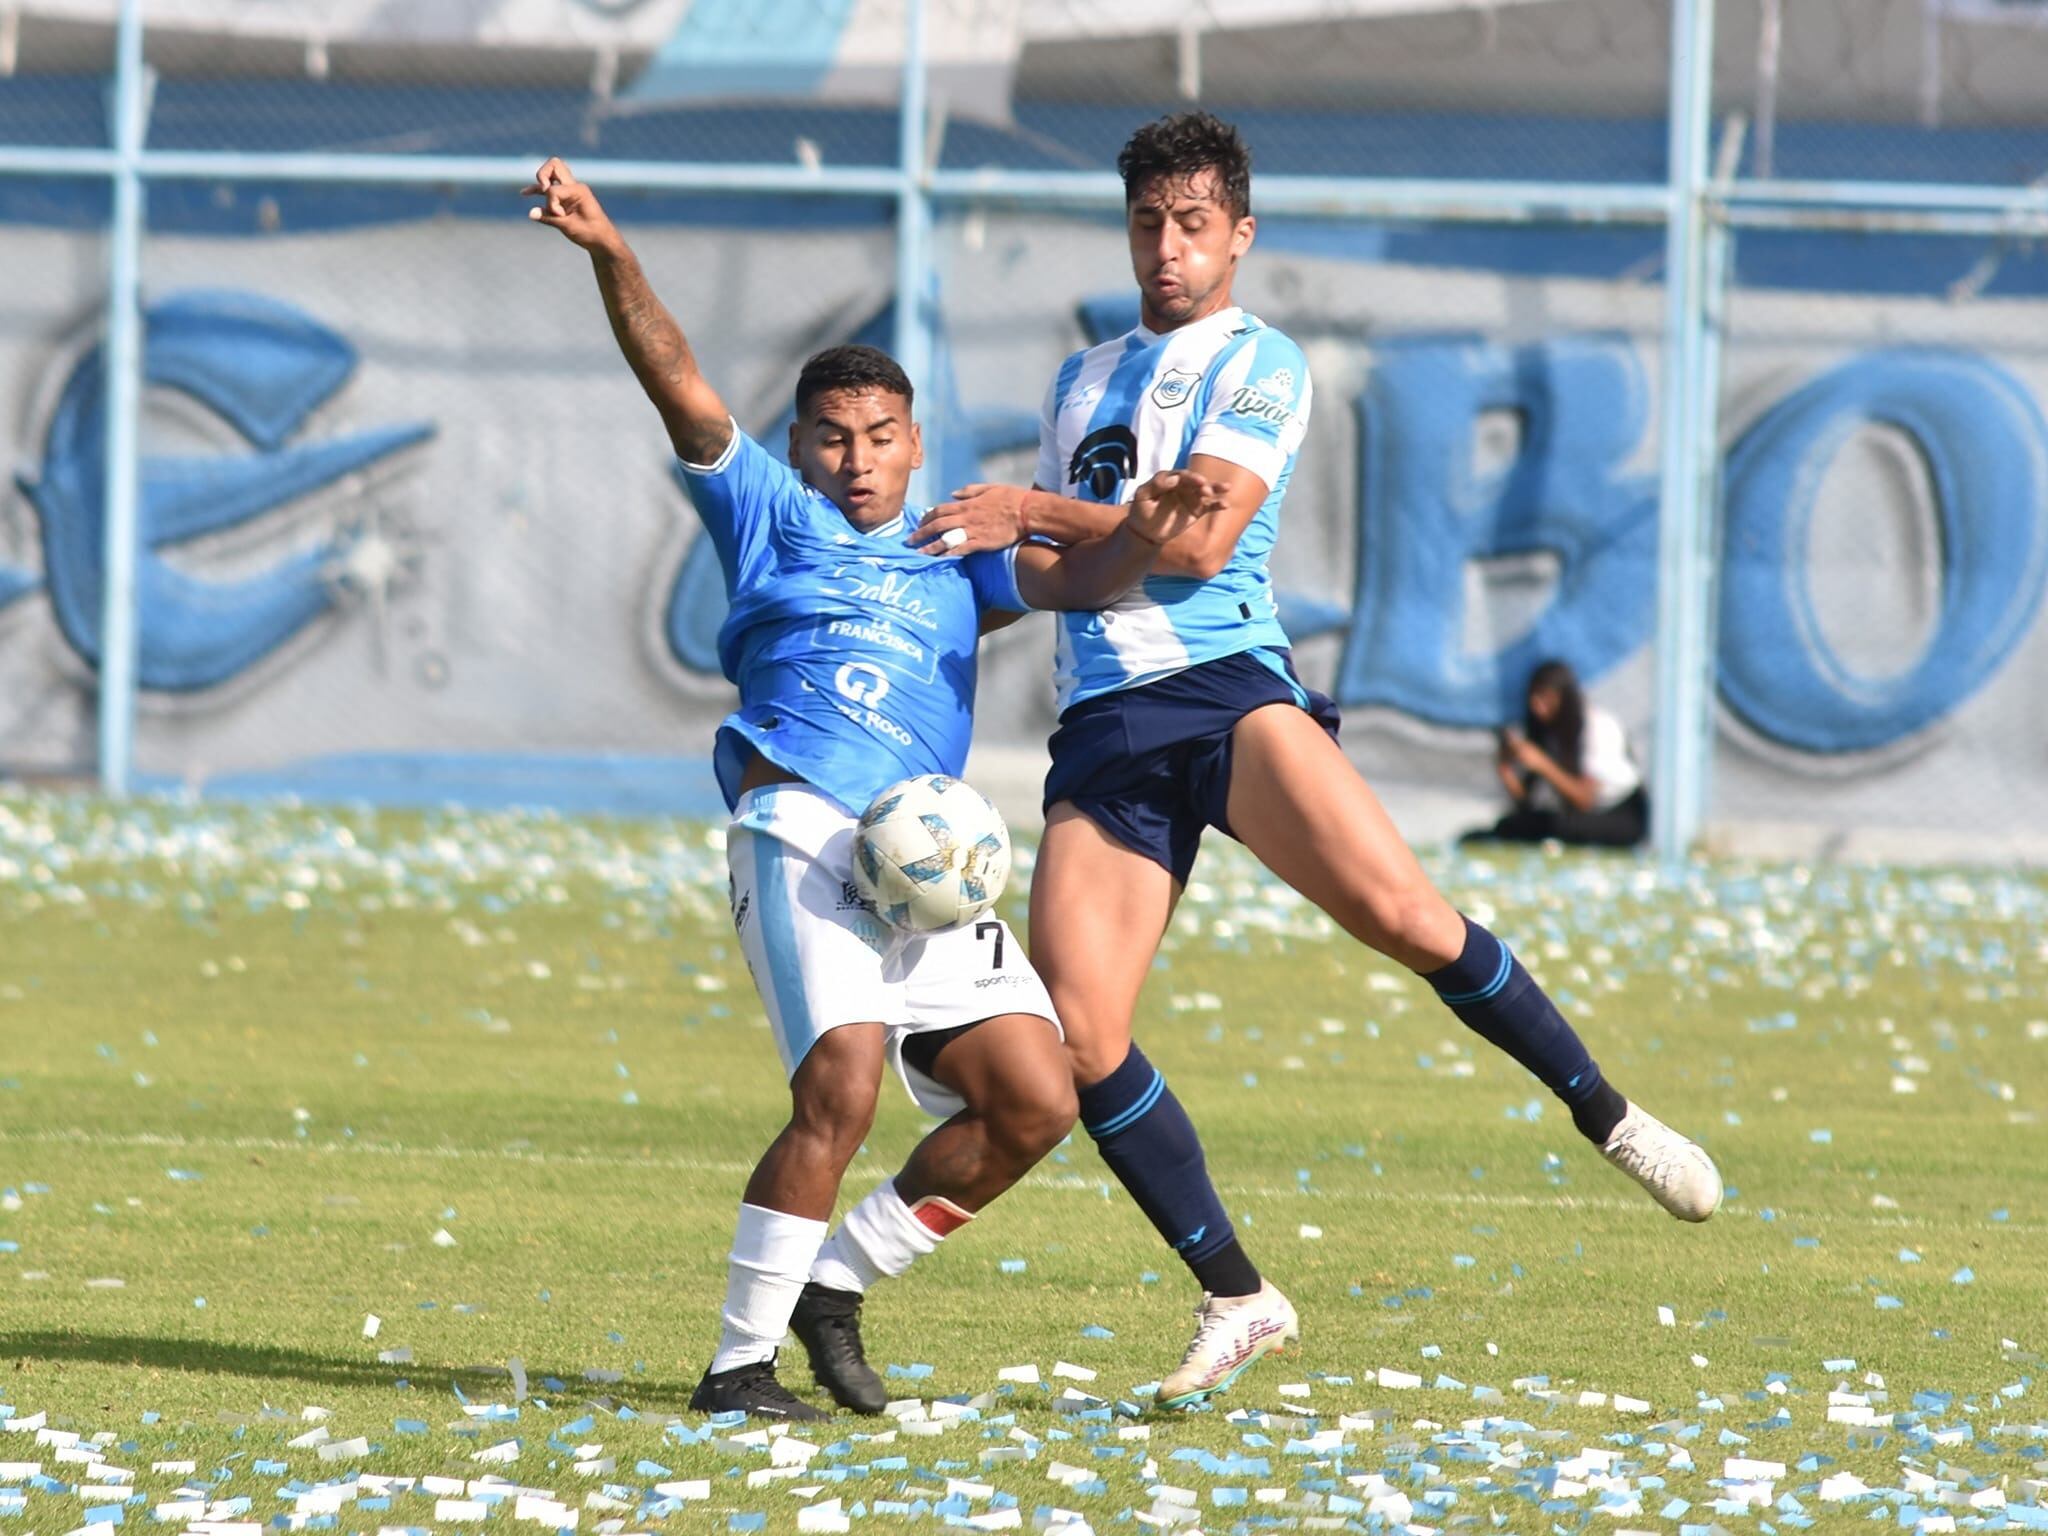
1683,702
121,362
912,341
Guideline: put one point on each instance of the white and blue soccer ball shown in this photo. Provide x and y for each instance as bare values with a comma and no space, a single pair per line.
931,853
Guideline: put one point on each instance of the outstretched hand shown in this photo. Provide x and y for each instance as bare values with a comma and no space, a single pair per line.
568,205
1171,503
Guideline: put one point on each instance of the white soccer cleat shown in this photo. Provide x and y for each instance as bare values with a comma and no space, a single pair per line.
1232,1333
1673,1168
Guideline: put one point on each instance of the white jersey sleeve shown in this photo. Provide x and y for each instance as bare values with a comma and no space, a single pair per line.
1051,472
1257,405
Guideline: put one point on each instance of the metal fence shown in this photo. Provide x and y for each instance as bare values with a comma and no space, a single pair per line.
1593,271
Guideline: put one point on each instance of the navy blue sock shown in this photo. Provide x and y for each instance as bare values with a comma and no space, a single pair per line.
1487,988
1150,1145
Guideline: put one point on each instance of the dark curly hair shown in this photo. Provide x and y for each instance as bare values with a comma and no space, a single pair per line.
856,368
1183,146
1564,737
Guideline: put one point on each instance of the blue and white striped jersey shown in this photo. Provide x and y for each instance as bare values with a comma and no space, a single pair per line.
1229,386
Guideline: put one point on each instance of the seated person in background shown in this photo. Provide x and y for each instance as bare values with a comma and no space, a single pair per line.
1569,771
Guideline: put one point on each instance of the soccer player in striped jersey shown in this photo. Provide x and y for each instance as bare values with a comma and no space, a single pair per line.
854,654
1180,711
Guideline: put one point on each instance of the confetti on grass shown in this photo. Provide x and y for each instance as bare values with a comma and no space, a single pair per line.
1546,1443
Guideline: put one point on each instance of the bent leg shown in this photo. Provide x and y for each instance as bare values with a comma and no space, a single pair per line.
832,1108
1020,1098
1098,909
788,1199
1020,1103
1299,805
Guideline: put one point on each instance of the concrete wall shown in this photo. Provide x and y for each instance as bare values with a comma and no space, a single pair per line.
454,530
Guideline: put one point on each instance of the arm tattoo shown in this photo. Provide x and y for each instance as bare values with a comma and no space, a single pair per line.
658,353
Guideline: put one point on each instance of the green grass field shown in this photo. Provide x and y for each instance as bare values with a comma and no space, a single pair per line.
497,1081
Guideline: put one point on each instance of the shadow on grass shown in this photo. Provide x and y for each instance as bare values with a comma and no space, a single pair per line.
482,1382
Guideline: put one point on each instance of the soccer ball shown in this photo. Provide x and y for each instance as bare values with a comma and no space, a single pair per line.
931,853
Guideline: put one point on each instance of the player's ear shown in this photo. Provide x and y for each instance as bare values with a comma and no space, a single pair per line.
916,446
1241,237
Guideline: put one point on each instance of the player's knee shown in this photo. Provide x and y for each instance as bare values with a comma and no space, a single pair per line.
1410,921
1036,1116
835,1114
1094,1047
1093,1055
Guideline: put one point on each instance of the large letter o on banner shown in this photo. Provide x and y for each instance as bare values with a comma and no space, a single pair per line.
1986,450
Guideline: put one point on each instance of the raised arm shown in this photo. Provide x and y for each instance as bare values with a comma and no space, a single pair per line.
699,425
1171,507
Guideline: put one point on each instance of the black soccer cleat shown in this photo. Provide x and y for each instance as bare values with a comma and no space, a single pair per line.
828,1322
753,1390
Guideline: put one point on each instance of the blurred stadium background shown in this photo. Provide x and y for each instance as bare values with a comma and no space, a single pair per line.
1701,342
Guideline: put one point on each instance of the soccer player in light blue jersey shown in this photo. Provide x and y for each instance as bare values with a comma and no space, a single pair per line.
854,653
1181,711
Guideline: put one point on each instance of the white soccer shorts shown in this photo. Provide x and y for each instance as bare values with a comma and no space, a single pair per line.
821,958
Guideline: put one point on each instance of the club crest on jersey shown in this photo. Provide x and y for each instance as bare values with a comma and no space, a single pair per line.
1174,387
1103,461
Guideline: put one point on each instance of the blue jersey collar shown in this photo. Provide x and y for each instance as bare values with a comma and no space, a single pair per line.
896,528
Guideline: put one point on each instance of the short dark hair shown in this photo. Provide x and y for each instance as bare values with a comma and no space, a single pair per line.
856,368
1182,146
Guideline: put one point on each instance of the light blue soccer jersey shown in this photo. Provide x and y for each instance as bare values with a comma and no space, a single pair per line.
1229,386
854,653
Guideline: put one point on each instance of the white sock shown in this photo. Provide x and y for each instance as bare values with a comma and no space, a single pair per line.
771,1254
883,1236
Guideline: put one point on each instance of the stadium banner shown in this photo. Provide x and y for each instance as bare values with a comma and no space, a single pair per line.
868,30
653,53
656,51
403,502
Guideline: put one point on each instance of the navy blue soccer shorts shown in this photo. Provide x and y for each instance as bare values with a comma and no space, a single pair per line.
1151,765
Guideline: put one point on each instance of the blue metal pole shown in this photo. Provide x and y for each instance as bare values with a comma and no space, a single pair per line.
1717,272
497,170
29,160
1890,194
914,318
1682,736
1341,197
121,359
